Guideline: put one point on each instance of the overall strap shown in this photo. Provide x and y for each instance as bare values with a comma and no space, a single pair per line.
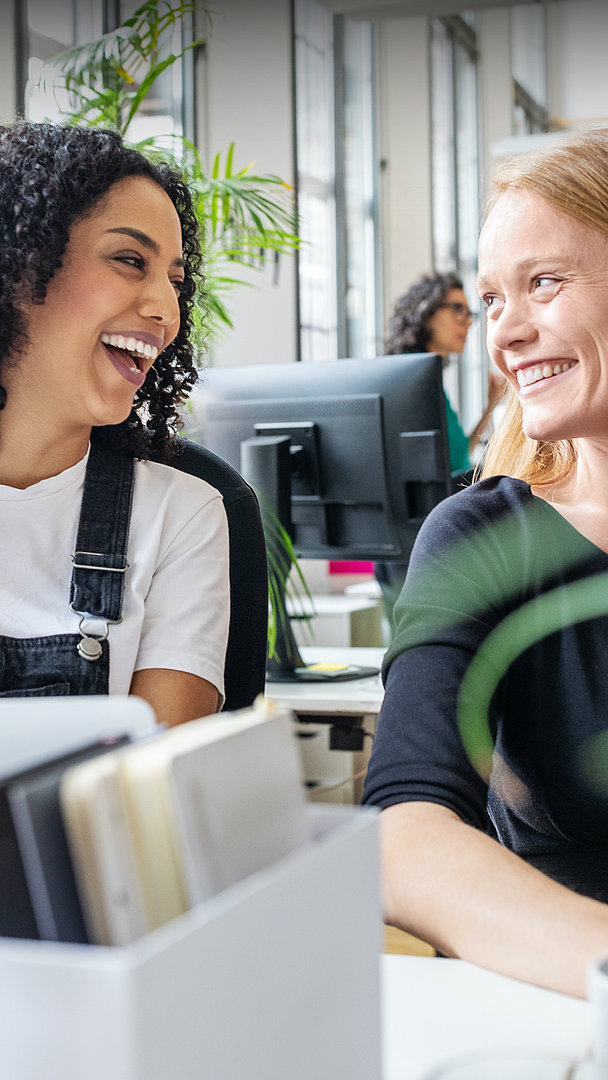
100,559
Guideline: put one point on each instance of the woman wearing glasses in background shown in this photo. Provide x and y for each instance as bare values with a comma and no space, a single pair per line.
434,316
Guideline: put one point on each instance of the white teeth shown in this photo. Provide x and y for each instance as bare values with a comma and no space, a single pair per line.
132,345
534,374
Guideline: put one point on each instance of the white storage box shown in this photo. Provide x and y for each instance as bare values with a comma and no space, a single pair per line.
276,978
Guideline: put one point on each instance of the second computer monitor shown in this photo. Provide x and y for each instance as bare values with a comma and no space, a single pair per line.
354,453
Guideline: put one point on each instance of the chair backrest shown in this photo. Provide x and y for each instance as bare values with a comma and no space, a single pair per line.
247,637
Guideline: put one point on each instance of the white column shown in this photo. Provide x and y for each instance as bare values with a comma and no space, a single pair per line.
495,84
577,32
8,63
247,98
405,148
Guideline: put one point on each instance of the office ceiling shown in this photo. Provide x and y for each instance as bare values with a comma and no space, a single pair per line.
376,9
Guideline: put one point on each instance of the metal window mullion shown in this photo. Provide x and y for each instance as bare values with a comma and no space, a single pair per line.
339,173
447,113
188,79
456,204
536,112
111,15
456,237
21,17
296,173
461,32
378,287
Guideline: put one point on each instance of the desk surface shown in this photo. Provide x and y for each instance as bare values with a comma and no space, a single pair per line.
353,696
434,1009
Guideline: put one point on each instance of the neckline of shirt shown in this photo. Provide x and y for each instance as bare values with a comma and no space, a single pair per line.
69,479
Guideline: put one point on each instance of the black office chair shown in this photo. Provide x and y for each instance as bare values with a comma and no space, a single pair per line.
247,636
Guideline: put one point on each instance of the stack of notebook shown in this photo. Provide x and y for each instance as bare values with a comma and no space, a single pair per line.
117,837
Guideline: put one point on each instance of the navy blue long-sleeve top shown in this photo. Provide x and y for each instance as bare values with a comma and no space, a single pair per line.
496,701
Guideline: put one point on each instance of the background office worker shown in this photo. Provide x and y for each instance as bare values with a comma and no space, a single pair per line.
434,316
502,626
98,256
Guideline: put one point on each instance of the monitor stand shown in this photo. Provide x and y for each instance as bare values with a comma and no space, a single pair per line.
267,463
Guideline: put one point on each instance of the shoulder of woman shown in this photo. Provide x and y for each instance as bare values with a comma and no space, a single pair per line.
476,507
165,481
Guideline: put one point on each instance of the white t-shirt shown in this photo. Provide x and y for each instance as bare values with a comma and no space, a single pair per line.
177,598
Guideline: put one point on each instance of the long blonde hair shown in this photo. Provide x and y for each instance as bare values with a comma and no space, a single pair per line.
572,176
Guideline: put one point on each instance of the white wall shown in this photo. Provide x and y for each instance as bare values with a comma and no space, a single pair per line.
495,85
7,63
405,148
405,107
247,97
578,61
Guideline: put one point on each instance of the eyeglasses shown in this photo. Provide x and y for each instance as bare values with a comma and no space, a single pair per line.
461,311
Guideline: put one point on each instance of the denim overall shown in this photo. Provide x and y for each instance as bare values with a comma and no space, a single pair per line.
79,663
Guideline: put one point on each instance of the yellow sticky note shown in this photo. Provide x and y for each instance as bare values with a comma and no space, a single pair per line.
327,667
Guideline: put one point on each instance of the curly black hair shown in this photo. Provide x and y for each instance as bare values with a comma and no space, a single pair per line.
51,176
408,326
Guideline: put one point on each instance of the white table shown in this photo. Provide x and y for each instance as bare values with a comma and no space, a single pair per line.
352,696
434,1009
333,775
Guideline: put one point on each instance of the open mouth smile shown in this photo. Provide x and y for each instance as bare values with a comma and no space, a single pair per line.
131,356
540,372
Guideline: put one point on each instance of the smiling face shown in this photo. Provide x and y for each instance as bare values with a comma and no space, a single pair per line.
110,309
448,327
543,277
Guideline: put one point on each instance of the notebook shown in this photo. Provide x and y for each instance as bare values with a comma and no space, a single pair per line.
33,730
192,811
38,893
102,852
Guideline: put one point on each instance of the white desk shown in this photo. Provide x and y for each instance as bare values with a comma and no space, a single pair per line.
435,1009
362,696
333,775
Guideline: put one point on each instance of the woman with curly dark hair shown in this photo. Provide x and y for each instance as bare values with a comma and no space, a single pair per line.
434,316
98,258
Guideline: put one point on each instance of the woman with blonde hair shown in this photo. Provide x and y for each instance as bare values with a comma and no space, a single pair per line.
488,761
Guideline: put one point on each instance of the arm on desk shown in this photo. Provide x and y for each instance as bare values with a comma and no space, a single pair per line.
457,888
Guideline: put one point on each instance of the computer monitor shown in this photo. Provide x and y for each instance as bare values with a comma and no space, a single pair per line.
352,453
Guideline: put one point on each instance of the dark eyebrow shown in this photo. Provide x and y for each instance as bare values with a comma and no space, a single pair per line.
145,240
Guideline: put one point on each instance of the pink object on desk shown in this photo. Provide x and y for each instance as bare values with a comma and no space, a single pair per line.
339,567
